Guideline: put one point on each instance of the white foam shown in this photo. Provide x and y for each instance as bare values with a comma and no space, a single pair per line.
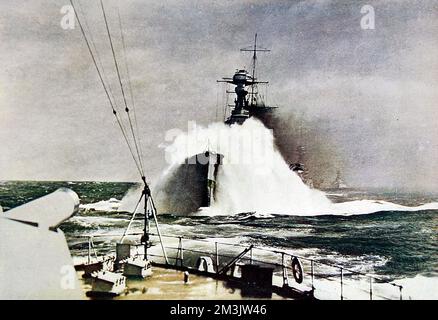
371,206
420,287
96,222
110,205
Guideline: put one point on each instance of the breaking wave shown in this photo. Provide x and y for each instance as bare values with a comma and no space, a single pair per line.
254,177
111,205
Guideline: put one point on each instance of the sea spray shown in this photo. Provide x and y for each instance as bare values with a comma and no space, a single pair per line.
253,176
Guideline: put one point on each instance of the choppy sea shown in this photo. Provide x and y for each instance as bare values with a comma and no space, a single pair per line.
400,246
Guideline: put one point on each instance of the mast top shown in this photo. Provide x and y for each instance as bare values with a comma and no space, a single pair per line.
254,50
244,106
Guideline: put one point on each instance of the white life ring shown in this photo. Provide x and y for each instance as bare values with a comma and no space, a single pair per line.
297,270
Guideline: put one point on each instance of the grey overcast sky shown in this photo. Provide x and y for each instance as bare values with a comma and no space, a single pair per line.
377,88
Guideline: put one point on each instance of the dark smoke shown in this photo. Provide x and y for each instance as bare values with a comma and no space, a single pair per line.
307,142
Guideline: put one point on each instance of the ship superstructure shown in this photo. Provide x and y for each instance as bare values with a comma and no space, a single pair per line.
248,101
339,183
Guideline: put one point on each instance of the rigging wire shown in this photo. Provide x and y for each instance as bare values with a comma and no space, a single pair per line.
111,102
96,52
122,89
93,57
146,191
114,54
130,90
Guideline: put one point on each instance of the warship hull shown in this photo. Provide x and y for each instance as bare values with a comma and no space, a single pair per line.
193,184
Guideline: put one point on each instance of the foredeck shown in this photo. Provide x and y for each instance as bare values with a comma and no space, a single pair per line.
169,284
215,272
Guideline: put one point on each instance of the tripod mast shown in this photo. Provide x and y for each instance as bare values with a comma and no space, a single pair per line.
149,202
254,50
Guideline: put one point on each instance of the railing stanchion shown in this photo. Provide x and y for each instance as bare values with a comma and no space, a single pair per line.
250,256
285,280
94,248
216,249
371,288
182,252
342,284
311,273
401,288
89,250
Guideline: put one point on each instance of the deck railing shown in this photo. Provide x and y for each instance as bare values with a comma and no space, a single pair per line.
317,275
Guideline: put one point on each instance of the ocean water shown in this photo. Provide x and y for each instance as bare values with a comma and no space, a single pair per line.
397,245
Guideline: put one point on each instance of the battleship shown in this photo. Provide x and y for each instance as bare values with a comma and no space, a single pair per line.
196,179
